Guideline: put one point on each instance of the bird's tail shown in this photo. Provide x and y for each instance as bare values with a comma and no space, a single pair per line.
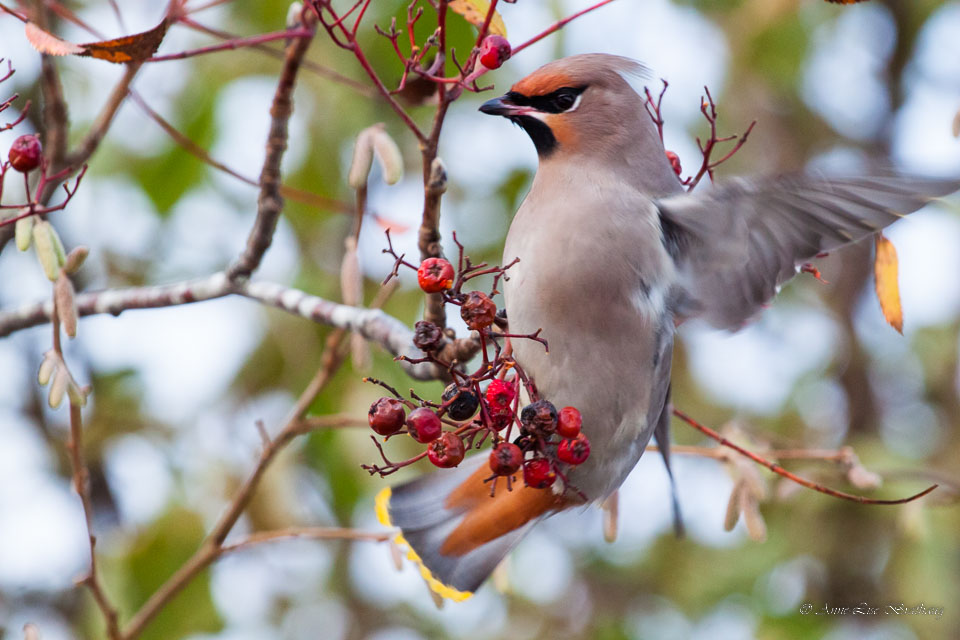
455,531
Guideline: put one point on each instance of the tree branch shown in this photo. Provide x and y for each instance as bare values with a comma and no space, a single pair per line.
791,476
270,202
213,546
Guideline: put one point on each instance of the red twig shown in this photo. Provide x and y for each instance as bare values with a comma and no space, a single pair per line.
653,108
33,208
334,25
556,26
790,476
236,44
709,110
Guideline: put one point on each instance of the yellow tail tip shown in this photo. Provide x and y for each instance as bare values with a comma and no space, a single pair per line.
445,591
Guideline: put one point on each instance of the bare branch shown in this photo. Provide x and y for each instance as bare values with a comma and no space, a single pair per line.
310,533
270,202
791,476
115,301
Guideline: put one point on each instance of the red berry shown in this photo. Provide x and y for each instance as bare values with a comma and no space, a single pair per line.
435,275
447,451
478,310
25,153
424,425
494,51
501,418
575,451
674,162
538,473
500,395
505,459
386,416
569,422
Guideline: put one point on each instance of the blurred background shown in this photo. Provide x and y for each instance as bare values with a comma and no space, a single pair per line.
176,392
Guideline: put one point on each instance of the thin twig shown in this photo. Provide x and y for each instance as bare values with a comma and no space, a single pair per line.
556,26
81,485
213,546
239,43
270,202
91,141
308,65
191,147
311,533
786,474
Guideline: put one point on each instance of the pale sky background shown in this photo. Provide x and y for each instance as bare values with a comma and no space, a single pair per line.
189,355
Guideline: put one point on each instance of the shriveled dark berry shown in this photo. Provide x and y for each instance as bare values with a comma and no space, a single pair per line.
539,417
424,425
446,451
505,459
478,310
386,416
463,402
427,336
526,442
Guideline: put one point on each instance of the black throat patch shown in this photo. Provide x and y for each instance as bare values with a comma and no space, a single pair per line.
539,132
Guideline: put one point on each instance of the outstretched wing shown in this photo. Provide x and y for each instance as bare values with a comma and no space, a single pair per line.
736,243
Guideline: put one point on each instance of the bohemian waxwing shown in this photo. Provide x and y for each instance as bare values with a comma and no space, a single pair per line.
614,254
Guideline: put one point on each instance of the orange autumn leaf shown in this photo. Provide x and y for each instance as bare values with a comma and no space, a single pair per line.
475,12
134,48
885,281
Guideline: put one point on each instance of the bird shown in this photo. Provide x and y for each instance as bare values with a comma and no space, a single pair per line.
614,254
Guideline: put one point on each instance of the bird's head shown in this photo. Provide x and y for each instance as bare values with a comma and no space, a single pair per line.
575,106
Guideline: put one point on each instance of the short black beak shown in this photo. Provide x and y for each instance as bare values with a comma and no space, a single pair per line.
498,106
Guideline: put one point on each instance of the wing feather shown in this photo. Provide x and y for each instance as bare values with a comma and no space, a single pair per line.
741,240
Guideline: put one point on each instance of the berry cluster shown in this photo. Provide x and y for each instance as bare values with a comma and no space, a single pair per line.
537,440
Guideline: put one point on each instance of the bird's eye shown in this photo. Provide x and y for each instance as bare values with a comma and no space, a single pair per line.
565,100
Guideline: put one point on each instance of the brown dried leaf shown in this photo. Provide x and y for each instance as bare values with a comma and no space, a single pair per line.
475,12
135,48
50,44
885,281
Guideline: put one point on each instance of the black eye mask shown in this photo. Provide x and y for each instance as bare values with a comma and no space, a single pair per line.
554,102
